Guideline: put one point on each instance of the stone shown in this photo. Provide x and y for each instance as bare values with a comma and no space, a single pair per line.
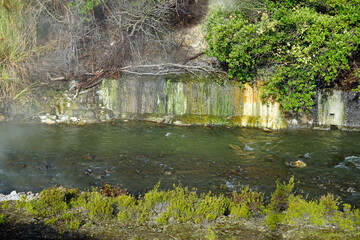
298,164
265,129
81,123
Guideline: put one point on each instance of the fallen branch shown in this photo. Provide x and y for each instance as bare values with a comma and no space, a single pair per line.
55,78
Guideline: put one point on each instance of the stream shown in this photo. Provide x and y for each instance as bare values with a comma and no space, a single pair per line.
137,155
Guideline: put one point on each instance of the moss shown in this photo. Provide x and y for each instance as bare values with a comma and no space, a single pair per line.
109,92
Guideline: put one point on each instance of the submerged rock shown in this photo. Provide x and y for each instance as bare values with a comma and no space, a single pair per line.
298,164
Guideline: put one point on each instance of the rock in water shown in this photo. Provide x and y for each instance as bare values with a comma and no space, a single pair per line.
299,164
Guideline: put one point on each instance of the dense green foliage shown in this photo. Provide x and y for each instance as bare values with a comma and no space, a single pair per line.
294,47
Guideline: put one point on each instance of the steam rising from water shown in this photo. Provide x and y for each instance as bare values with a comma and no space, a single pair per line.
139,155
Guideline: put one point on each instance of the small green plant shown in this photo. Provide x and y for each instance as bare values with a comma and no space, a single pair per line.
253,201
152,199
22,202
279,202
273,219
240,211
181,206
99,207
73,224
280,198
84,6
330,202
51,221
126,207
2,219
210,207
4,205
210,234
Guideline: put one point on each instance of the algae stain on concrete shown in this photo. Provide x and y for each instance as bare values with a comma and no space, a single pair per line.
190,100
331,108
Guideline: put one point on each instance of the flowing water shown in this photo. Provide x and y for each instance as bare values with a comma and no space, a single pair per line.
138,155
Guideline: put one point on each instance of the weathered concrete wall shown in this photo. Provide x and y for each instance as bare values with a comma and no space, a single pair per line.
183,100
336,108
190,101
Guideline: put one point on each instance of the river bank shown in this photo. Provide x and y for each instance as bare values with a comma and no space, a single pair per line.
183,100
179,213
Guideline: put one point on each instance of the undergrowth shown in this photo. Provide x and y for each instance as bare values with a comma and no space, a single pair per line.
72,209
17,45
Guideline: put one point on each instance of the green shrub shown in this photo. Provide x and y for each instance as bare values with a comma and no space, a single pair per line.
52,201
294,47
348,219
181,205
251,200
210,207
273,219
280,198
151,200
99,207
330,202
4,205
240,211
301,210
126,207
67,209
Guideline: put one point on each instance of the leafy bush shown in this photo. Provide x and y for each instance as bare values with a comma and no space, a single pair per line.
294,47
